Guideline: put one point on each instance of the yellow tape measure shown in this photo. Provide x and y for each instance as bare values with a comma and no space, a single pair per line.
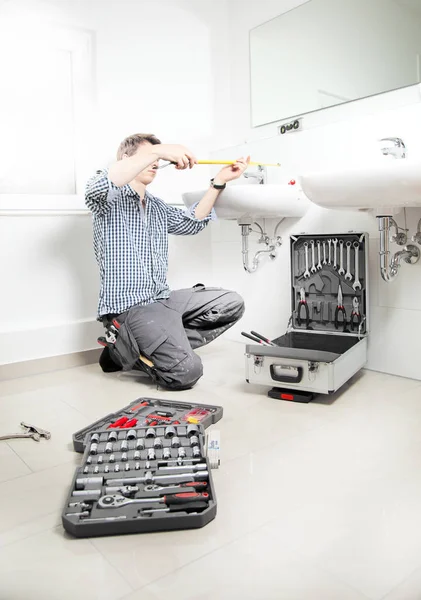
232,162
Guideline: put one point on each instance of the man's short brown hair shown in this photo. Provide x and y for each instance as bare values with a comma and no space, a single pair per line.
130,144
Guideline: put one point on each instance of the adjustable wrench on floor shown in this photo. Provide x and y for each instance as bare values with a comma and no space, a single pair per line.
115,501
30,431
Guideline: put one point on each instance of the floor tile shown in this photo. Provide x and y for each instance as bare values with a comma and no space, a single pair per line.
29,528
258,566
44,409
410,589
11,465
50,565
33,496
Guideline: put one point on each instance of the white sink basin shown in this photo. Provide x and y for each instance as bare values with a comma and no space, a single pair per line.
257,201
393,183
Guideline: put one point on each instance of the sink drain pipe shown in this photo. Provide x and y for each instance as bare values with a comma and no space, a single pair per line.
272,245
389,267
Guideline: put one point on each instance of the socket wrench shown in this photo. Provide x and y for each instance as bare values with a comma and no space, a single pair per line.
115,500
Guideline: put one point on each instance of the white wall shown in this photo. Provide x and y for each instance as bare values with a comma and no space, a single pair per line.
337,136
154,70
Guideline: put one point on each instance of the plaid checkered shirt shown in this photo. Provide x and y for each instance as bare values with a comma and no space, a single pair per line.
131,243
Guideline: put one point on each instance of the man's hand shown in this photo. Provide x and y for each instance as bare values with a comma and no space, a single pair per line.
231,172
175,153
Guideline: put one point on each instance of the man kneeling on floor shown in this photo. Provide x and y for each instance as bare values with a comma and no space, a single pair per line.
142,316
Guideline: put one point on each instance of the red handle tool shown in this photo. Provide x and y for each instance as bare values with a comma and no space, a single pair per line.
119,423
129,424
184,498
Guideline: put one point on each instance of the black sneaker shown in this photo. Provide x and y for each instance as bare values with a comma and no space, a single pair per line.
106,362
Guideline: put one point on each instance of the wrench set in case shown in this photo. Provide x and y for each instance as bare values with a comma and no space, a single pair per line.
326,340
141,480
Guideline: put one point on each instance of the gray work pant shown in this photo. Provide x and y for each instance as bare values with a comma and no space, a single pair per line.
167,331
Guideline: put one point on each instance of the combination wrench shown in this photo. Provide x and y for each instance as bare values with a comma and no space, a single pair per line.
348,274
306,272
341,258
324,253
319,253
329,243
313,257
335,243
357,284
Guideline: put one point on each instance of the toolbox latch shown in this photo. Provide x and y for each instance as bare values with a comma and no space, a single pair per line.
313,367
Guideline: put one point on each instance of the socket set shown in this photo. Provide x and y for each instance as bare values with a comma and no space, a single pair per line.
141,480
151,412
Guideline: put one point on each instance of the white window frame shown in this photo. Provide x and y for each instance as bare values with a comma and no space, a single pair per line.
80,44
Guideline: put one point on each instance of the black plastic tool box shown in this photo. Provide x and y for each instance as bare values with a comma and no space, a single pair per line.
140,480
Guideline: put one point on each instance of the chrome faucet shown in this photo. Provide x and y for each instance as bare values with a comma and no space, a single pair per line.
260,175
398,150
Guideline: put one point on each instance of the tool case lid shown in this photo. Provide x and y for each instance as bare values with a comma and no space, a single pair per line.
137,412
321,283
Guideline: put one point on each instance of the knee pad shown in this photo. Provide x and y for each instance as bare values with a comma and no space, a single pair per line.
185,375
235,305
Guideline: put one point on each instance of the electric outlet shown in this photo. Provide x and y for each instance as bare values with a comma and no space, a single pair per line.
292,126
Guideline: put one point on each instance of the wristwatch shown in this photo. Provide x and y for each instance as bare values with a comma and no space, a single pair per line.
216,186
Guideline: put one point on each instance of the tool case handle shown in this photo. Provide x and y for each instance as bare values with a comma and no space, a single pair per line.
286,378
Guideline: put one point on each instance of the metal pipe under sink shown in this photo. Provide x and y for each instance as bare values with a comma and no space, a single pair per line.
271,245
389,267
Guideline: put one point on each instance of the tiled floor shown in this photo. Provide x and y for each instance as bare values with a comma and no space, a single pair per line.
317,501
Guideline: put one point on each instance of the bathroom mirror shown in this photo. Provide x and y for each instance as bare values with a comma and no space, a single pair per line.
327,52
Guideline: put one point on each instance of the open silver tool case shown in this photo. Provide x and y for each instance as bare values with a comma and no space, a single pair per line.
140,480
326,340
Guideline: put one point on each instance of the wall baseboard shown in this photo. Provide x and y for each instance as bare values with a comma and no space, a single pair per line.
24,344
47,365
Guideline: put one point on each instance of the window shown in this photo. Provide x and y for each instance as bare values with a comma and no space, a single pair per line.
46,98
